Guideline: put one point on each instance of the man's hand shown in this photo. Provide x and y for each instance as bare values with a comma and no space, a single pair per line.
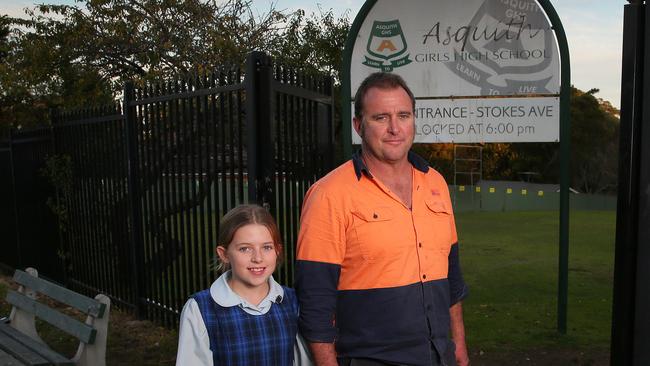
458,334
324,354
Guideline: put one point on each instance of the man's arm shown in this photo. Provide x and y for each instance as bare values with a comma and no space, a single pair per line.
458,333
324,354
321,247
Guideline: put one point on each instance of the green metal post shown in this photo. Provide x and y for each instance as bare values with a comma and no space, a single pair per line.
135,201
565,158
346,108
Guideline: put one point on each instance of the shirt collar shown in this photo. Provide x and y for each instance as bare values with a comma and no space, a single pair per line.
360,167
223,295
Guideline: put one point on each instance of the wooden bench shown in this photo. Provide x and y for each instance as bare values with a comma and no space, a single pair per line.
20,343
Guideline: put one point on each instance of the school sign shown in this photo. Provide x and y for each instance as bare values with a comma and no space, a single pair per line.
481,70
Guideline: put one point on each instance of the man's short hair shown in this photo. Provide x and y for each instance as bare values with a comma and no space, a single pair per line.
381,80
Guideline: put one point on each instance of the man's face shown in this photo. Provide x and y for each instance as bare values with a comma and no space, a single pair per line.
387,124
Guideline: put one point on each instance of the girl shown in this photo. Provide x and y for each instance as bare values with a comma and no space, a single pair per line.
245,317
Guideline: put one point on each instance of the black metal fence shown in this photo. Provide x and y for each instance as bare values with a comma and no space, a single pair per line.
140,191
28,225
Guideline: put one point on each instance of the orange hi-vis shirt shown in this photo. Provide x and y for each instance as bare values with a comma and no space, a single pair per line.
373,275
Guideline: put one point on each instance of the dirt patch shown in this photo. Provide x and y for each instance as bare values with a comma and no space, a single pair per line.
541,357
139,342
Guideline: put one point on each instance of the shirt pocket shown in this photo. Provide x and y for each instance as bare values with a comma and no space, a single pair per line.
375,232
439,216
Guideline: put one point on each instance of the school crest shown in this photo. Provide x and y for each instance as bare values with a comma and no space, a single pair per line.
387,48
520,49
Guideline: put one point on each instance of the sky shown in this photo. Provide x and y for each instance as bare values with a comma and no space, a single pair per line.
594,29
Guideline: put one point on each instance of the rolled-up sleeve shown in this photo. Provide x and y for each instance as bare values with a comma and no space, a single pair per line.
457,288
320,252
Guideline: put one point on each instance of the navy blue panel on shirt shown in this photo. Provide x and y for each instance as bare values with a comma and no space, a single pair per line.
396,324
457,286
317,299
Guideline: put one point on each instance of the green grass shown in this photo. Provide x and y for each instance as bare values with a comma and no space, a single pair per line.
510,261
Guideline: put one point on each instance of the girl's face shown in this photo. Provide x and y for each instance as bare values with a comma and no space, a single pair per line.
252,258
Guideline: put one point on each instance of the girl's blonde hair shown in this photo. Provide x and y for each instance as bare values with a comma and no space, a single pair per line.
241,216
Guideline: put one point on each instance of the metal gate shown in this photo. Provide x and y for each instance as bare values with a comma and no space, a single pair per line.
150,179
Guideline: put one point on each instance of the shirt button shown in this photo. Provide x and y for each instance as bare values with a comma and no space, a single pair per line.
420,245
424,277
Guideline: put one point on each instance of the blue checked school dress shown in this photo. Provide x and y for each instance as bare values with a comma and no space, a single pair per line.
241,339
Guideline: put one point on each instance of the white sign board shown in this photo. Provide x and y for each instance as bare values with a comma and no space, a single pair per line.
485,120
467,55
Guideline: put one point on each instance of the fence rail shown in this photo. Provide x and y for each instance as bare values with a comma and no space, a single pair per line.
142,184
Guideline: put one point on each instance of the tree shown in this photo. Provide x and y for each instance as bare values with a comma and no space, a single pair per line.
594,139
81,54
154,38
36,76
314,42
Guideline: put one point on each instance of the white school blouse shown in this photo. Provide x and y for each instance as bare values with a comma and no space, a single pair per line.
193,339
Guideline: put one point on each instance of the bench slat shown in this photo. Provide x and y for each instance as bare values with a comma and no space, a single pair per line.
61,294
7,360
81,331
37,347
21,352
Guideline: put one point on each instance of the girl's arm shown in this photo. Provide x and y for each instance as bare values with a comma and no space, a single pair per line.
193,340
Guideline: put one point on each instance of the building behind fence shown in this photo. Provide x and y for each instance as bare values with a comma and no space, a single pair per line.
141,186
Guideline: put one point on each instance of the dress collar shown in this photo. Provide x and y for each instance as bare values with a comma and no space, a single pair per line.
223,295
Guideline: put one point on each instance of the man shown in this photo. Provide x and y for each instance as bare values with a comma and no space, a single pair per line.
377,271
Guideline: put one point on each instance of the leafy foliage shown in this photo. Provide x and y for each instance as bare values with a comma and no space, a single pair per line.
314,42
81,54
123,39
594,139
58,169
37,74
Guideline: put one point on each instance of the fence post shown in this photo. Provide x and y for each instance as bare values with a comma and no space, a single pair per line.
260,128
135,197
325,129
12,163
54,120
